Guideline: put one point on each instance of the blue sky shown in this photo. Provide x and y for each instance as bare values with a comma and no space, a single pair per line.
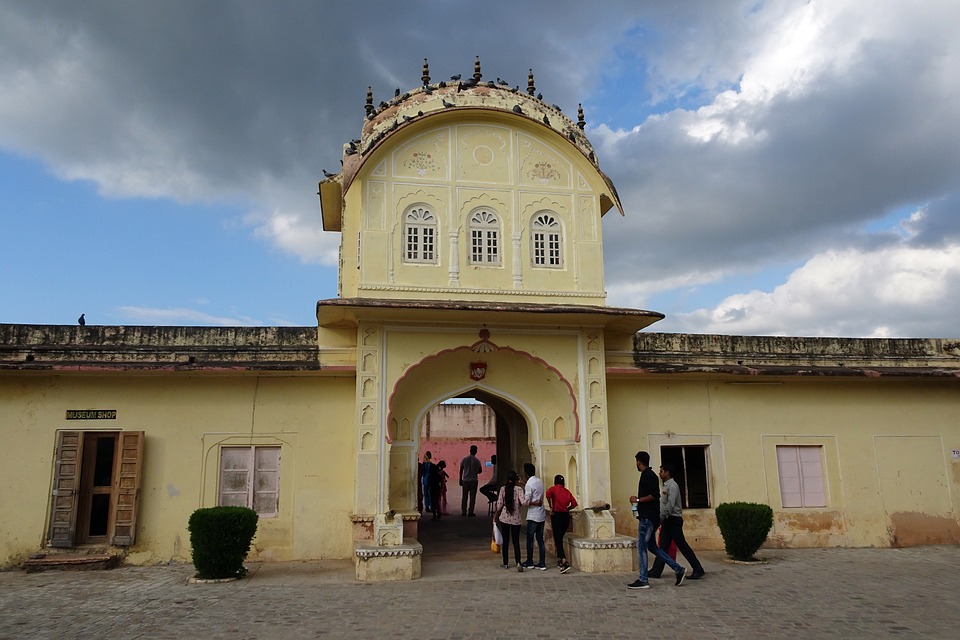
787,167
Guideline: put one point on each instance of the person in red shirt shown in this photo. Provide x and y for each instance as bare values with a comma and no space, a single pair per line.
561,501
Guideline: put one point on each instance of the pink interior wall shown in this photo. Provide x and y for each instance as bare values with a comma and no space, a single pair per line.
453,451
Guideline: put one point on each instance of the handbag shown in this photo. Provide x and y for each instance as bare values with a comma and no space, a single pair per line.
497,535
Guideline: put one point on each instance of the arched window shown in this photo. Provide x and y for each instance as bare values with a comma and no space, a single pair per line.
484,237
420,236
547,241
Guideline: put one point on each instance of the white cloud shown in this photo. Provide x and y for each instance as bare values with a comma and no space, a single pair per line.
178,316
896,291
754,134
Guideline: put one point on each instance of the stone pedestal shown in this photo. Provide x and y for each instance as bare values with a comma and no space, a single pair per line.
386,557
379,564
595,546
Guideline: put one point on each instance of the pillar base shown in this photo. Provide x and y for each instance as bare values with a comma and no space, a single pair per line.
381,564
608,555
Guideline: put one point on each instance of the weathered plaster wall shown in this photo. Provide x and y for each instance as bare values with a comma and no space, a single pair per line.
453,167
185,419
890,476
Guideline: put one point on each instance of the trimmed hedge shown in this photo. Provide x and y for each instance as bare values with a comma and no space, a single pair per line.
744,527
220,538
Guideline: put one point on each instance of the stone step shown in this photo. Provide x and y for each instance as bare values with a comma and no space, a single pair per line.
64,562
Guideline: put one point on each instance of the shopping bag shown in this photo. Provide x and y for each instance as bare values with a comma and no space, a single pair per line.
494,546
497,536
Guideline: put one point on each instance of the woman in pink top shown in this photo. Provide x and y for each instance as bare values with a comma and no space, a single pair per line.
561,501
507,511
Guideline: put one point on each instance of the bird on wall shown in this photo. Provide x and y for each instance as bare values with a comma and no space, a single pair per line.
326,174
448,104
517,109
456,77
81,320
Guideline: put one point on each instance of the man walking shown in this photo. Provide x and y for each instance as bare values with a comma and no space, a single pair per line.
672,525
648,518
536,516
470,468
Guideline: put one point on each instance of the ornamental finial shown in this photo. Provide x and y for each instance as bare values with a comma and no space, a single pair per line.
530,88
580,121
369,105
426,73
476,69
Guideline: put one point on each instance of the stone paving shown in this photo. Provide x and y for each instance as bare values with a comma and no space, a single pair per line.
800,593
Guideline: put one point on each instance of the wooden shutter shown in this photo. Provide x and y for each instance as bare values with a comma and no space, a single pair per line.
66,485
127,488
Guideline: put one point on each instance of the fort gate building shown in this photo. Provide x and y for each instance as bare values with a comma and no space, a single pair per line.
471,266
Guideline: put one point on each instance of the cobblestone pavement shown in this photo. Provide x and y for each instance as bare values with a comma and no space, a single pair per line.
800,593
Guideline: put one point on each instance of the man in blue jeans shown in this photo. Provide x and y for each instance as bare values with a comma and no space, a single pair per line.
536,516
648,519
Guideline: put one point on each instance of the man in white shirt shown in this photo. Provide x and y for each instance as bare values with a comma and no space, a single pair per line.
536,516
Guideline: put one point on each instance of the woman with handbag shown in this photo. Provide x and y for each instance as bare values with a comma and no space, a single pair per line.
507,514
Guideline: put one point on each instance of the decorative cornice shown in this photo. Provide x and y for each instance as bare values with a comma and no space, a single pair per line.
366,552
619,542
468,291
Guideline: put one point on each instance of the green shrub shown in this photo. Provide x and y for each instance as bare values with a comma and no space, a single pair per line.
744,527
220,538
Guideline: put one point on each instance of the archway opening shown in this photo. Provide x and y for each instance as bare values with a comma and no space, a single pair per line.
448,431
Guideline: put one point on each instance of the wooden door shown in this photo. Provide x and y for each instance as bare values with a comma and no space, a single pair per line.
66,486
127,488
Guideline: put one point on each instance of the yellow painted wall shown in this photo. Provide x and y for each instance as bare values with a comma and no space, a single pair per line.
185,418
424,368
890,475
454,167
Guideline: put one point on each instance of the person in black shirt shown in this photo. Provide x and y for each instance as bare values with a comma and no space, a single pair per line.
648,519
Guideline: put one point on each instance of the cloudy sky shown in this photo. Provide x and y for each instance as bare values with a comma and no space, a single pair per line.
787,167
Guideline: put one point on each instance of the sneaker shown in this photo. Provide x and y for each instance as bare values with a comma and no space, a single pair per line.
519,568
528,565
504,566
681,574
565,568
697,575
541,567
636,584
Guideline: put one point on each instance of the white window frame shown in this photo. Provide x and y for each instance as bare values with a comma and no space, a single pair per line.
800,473
260,473
419,236
546,241
484,228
